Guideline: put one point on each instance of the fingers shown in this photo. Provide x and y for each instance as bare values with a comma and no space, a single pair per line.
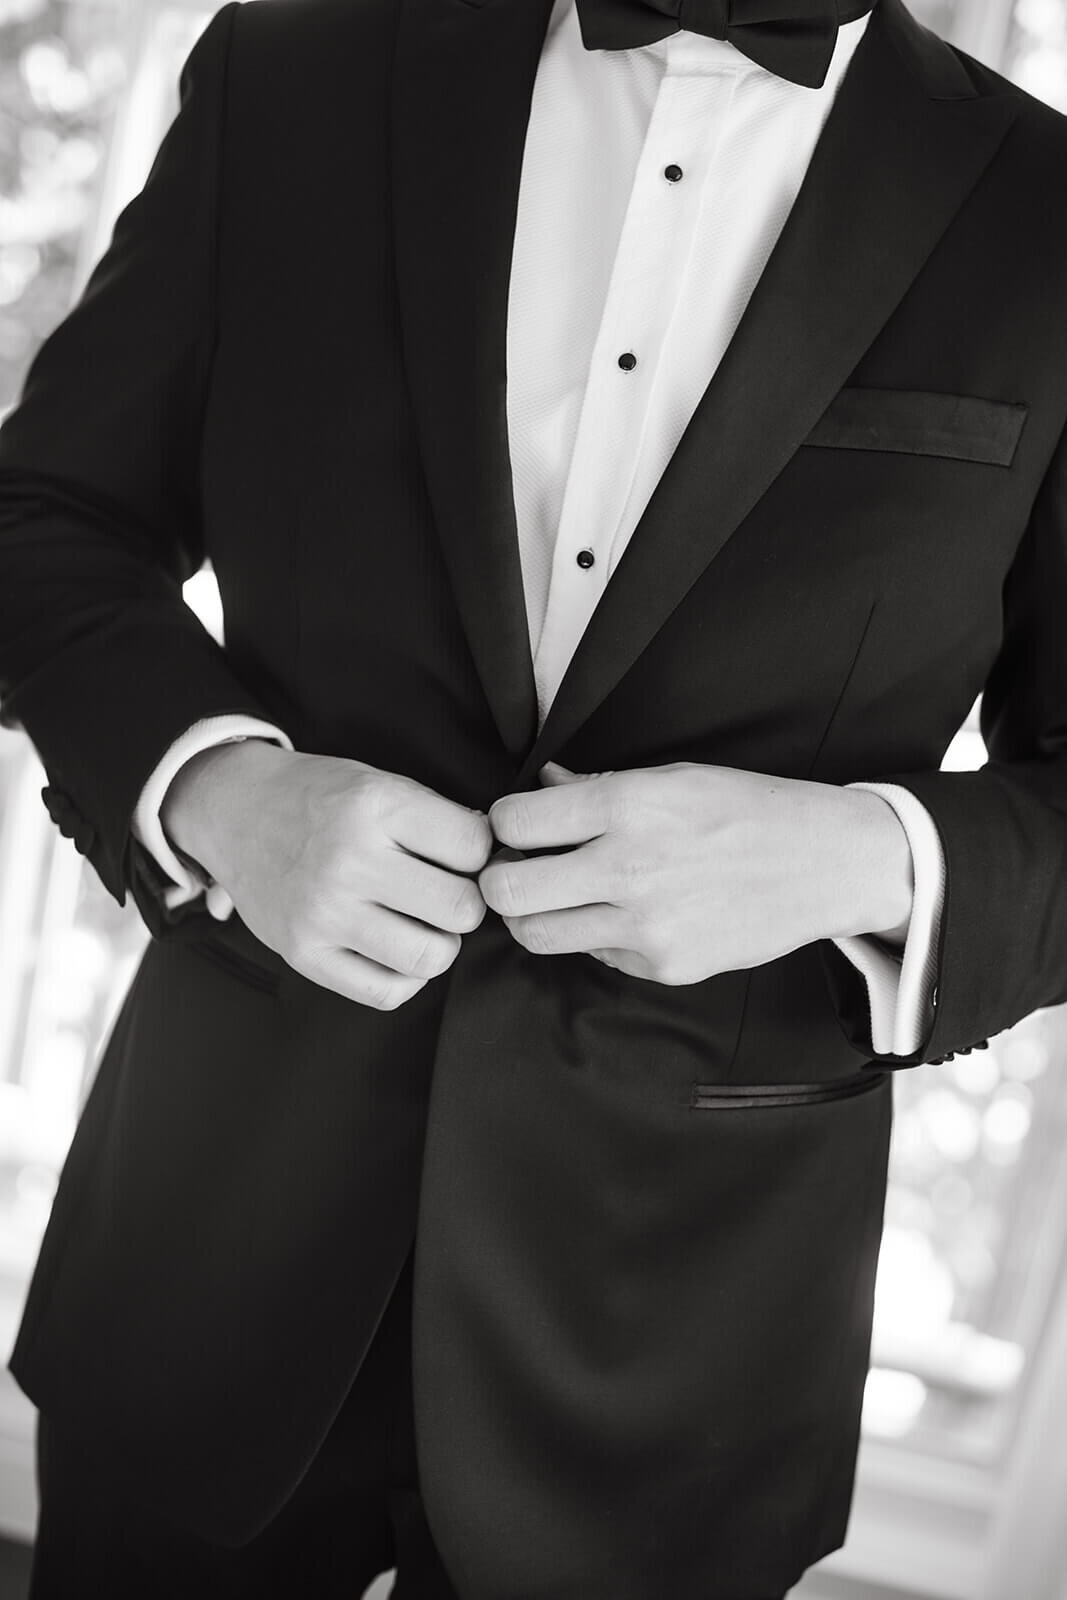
355,978
438,830
558,933
552,774
523,887
402,944
388,959
628,961
566,814
444,900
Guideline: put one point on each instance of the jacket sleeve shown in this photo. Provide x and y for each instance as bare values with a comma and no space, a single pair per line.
1003,829
100,524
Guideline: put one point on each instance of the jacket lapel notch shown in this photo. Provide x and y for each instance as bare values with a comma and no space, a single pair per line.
901,150
463,81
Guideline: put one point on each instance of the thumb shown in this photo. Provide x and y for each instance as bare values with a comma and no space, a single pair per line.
553,775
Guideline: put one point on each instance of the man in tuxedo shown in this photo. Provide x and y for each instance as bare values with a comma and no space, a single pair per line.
628,435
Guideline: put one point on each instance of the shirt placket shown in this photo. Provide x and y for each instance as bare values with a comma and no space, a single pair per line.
650,265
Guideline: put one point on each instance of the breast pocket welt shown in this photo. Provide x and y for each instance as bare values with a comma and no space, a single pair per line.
922,423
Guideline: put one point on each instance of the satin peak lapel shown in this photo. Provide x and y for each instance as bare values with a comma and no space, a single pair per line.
905,143
464,77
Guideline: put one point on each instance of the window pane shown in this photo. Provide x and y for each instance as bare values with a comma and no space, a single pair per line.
86,90
1036,55
62,70
974,1232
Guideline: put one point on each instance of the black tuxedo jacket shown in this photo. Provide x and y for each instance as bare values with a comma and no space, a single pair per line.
647,1217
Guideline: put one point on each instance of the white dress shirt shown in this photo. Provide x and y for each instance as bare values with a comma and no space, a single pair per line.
655,184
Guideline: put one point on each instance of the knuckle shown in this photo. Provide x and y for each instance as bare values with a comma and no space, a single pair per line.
341,842
507,893
476,840
442,950
659,952
305,960
418,958
374,796
468,910
489,887
465,835
630,879
622,800
535,935
673,970
432,954
312,909
381,995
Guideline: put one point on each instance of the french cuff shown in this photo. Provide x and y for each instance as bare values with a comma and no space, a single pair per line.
188,882
901,984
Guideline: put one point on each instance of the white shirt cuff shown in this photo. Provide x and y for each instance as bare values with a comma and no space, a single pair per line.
148,829
900,989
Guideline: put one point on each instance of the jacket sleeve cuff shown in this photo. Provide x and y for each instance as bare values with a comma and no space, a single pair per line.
187,882
902,985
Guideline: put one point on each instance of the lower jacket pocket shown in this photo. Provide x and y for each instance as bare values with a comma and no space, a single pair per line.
728,1097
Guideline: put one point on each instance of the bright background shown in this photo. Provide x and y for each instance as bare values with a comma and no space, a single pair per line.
963,1479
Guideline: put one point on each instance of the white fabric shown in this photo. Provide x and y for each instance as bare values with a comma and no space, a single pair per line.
147,826
611,257
900,988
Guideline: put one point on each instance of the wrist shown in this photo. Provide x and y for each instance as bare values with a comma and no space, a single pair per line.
876,877
199,806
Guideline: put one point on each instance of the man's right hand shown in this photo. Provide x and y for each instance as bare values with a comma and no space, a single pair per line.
361,880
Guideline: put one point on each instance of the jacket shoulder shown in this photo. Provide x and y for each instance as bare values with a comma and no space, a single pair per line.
1034,152
1038,114
296,65
950,73
282,26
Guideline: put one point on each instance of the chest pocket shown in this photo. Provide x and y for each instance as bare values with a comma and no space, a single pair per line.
919,422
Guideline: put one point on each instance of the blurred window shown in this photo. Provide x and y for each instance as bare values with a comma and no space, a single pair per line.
87,88
975,1232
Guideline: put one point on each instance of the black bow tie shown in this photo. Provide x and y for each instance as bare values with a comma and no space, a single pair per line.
794,39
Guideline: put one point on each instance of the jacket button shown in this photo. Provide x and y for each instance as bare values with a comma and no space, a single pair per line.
72,825
56,803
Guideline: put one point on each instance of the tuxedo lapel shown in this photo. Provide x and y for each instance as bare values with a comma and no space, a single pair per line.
464,78
905,143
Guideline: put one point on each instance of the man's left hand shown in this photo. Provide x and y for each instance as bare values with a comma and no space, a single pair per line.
676,873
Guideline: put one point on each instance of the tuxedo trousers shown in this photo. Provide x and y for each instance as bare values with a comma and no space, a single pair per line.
357,1513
